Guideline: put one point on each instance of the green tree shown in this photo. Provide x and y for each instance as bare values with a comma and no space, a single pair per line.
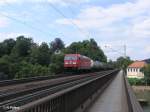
22,46
40,54
87,48
123,62
7,67
56,65
6,46
2,51
146,71
30,70
24,58
57,44
4,66
14,64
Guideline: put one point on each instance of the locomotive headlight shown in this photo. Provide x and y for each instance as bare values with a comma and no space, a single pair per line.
66,62
74,63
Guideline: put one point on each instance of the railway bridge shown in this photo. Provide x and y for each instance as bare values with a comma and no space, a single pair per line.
107,91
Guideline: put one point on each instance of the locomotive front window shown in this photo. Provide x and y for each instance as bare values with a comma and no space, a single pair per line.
70,57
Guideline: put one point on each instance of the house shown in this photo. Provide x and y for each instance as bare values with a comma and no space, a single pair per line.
134,69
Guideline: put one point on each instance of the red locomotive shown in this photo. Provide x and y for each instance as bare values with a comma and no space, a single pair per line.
77,61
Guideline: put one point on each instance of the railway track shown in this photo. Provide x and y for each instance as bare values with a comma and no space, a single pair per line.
6,91
9,92
31,92
4,83
27,80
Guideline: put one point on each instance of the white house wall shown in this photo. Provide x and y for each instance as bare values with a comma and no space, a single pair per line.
134,73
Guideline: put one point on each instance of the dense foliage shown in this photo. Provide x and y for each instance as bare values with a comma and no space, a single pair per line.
121,63
23,57
146,71
135,81
88,48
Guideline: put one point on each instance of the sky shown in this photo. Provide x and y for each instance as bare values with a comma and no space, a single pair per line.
112,23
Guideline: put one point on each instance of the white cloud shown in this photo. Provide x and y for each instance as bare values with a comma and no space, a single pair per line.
98,17
147,49
7,1
142,28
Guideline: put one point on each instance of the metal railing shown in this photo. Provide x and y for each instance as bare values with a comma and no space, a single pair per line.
69,99
133,104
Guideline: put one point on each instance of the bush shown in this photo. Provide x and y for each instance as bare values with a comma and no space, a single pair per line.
30,70
3,76
56,65
135,81
5,68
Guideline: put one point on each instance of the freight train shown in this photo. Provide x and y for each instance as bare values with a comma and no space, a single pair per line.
80,62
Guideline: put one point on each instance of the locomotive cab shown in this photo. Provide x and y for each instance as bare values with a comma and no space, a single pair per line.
77,61
71,61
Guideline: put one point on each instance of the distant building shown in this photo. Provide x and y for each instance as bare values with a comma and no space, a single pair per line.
134,69
147,61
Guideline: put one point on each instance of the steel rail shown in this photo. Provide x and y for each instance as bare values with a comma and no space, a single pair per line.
43,93
25,80
28,96
13,94
31,97
30,88
31,79
47,87
27,107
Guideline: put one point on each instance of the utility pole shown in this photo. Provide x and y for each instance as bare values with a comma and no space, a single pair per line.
124,53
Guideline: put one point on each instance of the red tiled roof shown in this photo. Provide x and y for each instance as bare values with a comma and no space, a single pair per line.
138,64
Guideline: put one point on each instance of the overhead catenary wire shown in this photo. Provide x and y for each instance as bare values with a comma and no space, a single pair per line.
41,30
35,19
73,13
24,23
123,53
72,22
116,51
